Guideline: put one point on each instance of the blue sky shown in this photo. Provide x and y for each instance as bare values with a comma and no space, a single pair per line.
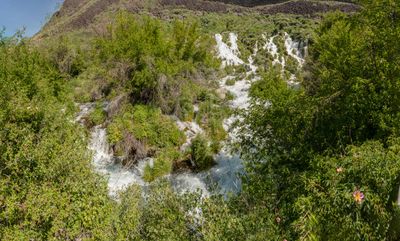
16,14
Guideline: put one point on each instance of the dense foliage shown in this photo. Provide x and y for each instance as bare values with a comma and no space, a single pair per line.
156,59
142,131
200,153
326,156
323,160
47,190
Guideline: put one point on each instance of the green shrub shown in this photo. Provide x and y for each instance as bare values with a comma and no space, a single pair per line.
162,165
211,116
97,116
325,157
91,85
229,96
146,124
164,217
157,134
129,213
291,65
200,153
161,57
229,69
230,82
370,169
65,54
47,187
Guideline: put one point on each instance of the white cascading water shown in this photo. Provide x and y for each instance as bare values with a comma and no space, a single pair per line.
229,165
225,174
270,46
272,49
84,110
293,49
190,183
241,87
292,81
191,130
103,159
233,42
228,55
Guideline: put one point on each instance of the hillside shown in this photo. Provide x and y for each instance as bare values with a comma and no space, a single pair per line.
203,120
75,14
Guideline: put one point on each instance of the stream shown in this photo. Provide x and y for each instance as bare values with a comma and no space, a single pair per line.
224,177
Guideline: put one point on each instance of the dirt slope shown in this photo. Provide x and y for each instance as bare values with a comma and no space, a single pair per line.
77,14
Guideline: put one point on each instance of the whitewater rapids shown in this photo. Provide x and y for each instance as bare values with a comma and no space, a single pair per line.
224,177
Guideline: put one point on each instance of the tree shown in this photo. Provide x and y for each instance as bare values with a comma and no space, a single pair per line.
320,156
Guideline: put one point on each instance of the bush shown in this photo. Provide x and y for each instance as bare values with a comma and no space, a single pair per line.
211,116
372,171
97,116
139,131
231,82
164,217
47,187
161,58
128,215
325,157
146,124
162,166
200,153
91,85
68,58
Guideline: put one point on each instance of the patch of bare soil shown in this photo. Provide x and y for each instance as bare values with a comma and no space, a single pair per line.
196,5
250,3
308,8
90,13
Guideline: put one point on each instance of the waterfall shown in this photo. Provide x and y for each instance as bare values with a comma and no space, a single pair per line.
191,130
84,110
229,55
225,175
293,49
118,176
103,160
233,42
189,183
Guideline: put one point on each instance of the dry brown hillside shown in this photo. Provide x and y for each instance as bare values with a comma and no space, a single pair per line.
76,14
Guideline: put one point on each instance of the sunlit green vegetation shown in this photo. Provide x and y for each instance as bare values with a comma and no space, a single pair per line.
140,131
156,59
97,116
323,160
47,189
200,153
326,156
